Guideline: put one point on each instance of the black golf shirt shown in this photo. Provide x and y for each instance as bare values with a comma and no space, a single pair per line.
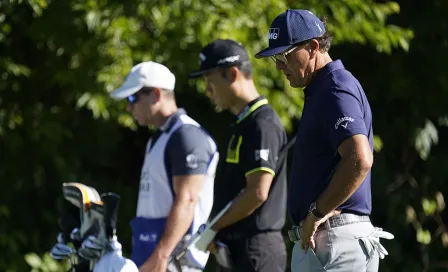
254,142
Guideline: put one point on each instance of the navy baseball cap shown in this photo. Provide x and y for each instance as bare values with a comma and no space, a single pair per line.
291,27
220,53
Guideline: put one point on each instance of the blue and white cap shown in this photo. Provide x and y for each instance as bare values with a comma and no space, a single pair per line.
291,27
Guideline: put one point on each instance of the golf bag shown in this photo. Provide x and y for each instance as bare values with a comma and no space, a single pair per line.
88,232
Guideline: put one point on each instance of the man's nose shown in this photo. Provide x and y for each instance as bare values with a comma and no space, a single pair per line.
208,91
129,107
279,65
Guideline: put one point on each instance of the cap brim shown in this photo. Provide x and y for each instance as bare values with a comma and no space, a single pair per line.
268,52
199,73
125,91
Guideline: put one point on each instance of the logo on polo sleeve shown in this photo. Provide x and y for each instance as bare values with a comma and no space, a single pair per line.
202,58
262,154
192,161
274,33
343,122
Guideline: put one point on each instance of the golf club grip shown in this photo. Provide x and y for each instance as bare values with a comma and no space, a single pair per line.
209,225
110,203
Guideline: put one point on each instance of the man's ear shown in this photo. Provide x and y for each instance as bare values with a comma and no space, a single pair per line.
313,48
232,73
155,95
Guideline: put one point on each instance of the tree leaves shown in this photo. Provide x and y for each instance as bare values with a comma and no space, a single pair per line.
425,139
423,236
45,264
61,59
120,37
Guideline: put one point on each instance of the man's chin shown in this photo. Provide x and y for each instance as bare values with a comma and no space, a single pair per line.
141,123
217,107
295,84
292,84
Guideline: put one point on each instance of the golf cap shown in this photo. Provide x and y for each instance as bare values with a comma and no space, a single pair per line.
220,53
291,27
146,74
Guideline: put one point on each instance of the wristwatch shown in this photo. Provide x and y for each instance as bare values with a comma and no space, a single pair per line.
315,212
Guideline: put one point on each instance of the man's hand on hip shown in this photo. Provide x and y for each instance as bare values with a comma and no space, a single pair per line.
213,248
309,228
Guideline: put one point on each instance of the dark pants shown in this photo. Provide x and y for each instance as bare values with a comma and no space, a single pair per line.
263,252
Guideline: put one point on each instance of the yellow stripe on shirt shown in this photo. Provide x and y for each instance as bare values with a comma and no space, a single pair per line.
266,169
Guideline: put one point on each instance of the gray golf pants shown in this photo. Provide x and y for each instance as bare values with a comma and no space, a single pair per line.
340,249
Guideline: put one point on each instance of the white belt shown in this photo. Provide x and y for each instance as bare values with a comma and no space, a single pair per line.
332,222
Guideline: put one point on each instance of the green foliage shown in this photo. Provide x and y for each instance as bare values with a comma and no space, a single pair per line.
45,264
424,236
429,207
120,35
425,139
61,58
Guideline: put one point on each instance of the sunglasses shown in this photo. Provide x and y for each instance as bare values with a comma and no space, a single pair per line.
282,56
133,98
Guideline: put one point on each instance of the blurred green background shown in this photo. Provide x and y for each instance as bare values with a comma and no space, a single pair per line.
59,60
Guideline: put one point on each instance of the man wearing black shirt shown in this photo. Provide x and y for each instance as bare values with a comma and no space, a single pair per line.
253,172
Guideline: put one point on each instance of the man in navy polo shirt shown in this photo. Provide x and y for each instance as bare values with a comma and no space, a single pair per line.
329,196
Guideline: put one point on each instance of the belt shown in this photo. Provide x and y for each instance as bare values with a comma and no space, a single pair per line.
332,222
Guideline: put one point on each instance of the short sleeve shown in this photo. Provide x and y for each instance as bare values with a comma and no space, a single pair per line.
262,142
189,151
343,117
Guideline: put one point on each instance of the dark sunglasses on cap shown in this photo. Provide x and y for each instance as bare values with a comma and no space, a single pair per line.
282,57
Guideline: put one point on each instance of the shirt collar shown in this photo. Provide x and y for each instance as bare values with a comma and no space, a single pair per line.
323,72
251,107
171,120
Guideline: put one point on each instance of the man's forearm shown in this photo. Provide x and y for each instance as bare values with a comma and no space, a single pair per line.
346,179
177,224
243,206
